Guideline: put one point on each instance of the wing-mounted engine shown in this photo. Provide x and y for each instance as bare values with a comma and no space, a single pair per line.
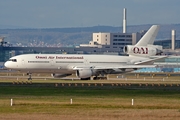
145,51
60,75
84,73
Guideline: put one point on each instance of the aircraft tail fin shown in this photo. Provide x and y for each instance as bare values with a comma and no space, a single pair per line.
145,47
149,37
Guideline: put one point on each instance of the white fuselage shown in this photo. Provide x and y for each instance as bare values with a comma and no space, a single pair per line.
86,66
64,63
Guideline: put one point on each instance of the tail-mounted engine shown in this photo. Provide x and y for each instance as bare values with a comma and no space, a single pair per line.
145,51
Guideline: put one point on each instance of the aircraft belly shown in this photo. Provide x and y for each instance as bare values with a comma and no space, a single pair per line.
119,71
46,70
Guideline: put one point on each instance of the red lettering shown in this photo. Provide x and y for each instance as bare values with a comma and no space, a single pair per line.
146,50
141,50
69,57
51,57
136,50
41,57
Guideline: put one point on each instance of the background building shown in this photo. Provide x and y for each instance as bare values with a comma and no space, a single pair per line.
113,42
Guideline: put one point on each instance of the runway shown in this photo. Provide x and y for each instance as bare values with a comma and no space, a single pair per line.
127,81
144,86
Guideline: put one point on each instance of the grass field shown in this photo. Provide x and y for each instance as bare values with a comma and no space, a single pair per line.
46,103
89,103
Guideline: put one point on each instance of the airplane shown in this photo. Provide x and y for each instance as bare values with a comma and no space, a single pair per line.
87,66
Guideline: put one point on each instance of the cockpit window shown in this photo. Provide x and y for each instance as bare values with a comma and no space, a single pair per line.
13,60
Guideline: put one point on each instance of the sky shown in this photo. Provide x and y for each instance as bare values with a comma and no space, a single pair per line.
86,13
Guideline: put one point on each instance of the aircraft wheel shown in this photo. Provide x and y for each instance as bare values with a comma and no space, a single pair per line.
86,78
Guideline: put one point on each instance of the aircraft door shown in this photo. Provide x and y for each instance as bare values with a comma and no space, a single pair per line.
52,62
22,61
86,61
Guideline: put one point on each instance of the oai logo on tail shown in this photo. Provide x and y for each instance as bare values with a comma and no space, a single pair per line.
140,50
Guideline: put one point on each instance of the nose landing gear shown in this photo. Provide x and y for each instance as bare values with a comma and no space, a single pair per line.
29,78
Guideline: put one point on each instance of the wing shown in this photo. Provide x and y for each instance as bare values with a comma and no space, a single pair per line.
136,65
114,67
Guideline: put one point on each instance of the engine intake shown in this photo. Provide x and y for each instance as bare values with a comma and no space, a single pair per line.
84,73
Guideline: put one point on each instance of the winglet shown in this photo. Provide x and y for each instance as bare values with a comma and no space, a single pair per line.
149,37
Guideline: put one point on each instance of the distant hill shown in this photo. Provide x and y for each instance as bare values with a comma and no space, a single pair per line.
10,27
75,36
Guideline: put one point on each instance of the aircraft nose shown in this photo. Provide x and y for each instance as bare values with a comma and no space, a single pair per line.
6,64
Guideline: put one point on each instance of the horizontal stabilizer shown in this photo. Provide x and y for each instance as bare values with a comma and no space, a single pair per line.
149,60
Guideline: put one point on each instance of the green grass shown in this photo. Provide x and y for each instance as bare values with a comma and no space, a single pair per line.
91,102
82,91
85,95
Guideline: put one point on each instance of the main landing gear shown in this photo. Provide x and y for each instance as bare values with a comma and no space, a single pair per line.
99,78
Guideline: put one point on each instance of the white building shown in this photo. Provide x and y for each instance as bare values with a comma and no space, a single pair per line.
113,41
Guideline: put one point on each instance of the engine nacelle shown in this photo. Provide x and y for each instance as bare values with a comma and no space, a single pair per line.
84,73
145,51
60,75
